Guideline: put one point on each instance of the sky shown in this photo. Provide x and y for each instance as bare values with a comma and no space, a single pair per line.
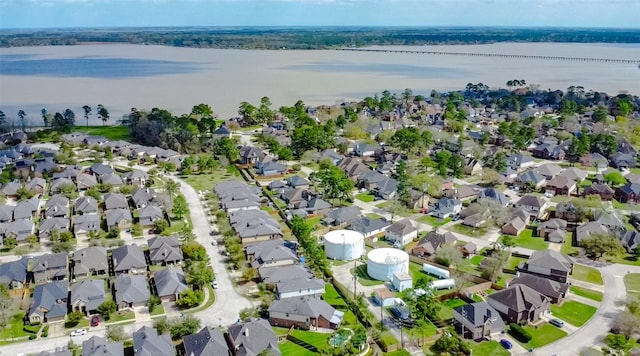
140,13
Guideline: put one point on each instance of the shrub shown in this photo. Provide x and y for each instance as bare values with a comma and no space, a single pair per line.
32,336
519,332
73,319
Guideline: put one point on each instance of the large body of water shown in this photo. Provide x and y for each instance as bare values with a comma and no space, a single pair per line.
125,76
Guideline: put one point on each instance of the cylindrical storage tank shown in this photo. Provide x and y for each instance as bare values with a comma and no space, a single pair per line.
382,263
344,245
443,284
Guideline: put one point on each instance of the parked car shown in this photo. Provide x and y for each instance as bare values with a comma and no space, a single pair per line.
506,344
95,321
214,284
79,332
556,322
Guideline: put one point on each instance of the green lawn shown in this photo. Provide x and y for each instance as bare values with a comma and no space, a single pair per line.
113,133
492,348
527,240
373,216
567,246
14,329
587,293
632,281
157,310
422,330
331,296
573,312
209,302
543,335
416,272
433,221
469,231
314,221
319,340
476,260
363,277
625,259
587,274
514,262
205,182
288,348
365,197
122,315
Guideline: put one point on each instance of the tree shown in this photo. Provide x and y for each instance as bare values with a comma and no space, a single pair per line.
186,325
619,343
615,178
189,299
87,112
103,114
69,118
153,302
335,183
180,208
199,274
194,251
406,139
24,194
403,184
599,245
10,242
451,343
115,333
171,187
21,115
46,117
248,113
626,323
3,118
107,308
228,148
448,255
249,274
7,306
507,241
73,319
161,325
600,114
494,264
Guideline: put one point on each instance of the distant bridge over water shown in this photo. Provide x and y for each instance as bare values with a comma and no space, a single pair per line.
498,55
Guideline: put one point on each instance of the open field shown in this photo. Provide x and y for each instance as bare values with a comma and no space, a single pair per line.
113,133
573,312
587,274
587,293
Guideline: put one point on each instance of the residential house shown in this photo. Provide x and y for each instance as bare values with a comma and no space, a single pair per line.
402,232
271,168
340,216
551,289
519,162
494,195
604,191
131,291
86,205
254,226
84,224
353,168
164,251
549,264
531,178
20,230
86,296
418,200
44,167
147,342
472,166
630,240
623,160
295,198
98,346
594,160
57,206
270,253
142,197
317,206
50,267
137,177
70,172
629,193
519,304
476,219
6,213
297,181
370,227
332,155
100,169
250,155
589,229
446,207
560,185
306,313
364,149
514,227
14,274
387,189
52,224
37,185
115,201
49,302
119,219
149,215
57,352
111,179
429,244
10,190
128,259
207,342
273,275
371,179
299,288
553,230
86,181
252,337
26,209
59,183
90,261
533,204
478,320
170,282
575,174
549,170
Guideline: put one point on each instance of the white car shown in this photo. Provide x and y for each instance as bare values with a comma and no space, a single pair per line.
79,332
214,284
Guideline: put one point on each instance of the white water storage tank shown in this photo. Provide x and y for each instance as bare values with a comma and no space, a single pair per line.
344,245
382,263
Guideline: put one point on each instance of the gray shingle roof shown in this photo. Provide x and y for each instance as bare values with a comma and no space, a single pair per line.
89,292
164,249
402,227
307,306
368,225
283,273
299,284
207,342
50,224
90,258
147,342
170,281
551,259
519,298
131,289
86,223
115,201
128,257
51,297
542,285
98,346
14,271
115,216
101,169
86,205
478,313
253,337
